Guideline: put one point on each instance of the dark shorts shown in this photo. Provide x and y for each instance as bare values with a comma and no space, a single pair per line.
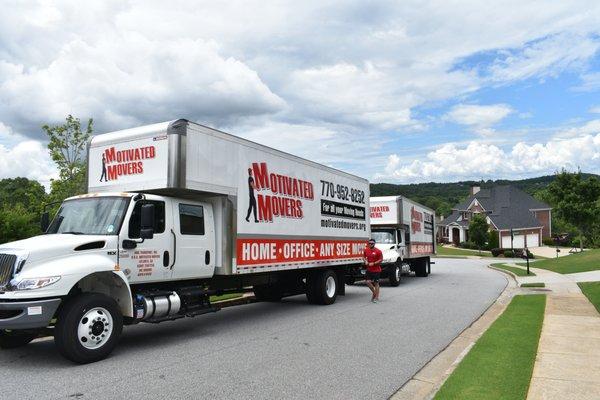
373,276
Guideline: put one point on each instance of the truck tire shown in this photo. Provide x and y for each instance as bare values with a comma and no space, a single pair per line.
267,293
88,328
14,340
395,275
421,268
322,287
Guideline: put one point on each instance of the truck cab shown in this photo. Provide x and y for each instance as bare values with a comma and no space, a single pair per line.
110,243
391,243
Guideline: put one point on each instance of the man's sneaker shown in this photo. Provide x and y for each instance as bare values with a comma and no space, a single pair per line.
375,301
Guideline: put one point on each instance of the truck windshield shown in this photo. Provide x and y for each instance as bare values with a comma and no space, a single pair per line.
384,237
90,216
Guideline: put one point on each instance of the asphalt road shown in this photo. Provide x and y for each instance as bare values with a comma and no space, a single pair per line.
290,350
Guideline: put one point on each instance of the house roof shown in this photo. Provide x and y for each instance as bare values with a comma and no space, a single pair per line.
507,206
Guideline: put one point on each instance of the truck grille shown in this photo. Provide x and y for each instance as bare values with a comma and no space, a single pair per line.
7,265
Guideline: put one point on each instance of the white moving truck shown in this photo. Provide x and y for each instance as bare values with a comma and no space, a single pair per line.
404,231
176,212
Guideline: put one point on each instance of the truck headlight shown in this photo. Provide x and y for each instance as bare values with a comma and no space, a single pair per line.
34,283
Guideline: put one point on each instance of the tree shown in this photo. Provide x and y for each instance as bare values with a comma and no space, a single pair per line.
577,201
17,222
68,150
493,239
478,230
21,202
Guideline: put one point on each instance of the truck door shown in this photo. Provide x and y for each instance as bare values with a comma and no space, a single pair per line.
401,243
195,238
148,260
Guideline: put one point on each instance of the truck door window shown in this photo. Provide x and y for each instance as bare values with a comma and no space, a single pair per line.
136,218
191,219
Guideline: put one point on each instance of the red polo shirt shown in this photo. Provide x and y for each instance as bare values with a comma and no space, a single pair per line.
373,255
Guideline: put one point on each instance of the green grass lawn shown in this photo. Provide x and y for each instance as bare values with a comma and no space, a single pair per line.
227,296
452,251
589,260
534,284
500,364
592,292
515,270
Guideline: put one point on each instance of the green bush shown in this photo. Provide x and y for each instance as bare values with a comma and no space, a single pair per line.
509,254
549,241
493,240
497,251
468,245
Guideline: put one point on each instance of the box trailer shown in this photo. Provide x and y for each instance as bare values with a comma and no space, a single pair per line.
404,231
177,212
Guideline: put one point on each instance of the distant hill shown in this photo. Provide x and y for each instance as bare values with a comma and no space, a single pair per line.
443,196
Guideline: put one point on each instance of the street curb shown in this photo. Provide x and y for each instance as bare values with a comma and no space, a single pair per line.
428,380
514,276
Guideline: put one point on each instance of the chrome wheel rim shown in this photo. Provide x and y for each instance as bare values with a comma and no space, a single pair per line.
397,273
330,286
95,328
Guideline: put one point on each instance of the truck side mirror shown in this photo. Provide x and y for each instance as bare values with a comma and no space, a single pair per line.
147,221
45,221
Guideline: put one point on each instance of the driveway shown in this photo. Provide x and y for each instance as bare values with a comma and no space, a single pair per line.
289,350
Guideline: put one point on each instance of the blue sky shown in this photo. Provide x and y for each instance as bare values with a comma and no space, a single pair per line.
403,92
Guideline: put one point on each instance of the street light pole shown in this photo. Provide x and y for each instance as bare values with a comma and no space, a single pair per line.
512,237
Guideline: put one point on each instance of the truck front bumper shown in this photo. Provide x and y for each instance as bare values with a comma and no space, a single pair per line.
27,314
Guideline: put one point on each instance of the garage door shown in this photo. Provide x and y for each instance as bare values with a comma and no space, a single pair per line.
533,240
519,241
506,242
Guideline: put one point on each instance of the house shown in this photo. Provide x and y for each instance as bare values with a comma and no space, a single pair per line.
507,210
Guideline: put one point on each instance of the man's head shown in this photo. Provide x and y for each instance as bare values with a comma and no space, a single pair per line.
250,171
371,243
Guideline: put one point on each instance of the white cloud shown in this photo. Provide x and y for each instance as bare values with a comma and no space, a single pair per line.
27,159
479,118
547,57
594,110
589,82
127,79
342,70
478,160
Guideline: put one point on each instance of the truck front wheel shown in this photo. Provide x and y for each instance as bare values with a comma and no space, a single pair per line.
395,274
12,340
322,287
88,328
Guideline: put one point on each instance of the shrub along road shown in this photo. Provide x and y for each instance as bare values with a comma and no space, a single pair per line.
287,350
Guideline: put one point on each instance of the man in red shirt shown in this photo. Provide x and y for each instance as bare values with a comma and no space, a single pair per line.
373,257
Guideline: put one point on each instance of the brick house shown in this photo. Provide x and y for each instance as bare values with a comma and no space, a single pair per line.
507,209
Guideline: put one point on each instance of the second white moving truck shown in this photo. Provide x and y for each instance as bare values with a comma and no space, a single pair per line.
177,212
404,231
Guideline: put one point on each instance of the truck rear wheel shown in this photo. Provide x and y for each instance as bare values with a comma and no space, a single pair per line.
13,340
267,293
88,328
322,287
395,275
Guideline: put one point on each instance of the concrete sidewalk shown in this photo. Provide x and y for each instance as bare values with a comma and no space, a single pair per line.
567,365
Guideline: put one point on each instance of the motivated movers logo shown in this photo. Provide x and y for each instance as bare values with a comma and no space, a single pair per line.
116,163
277,195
